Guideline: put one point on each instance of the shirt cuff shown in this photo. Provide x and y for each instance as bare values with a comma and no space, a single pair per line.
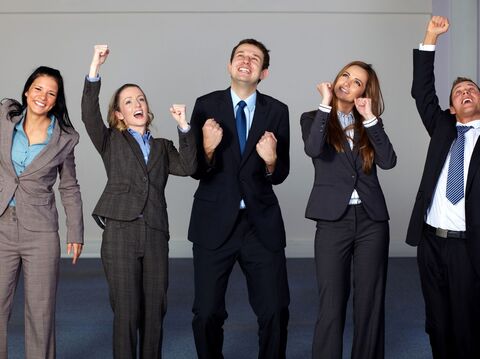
370,123
184,130
93,79
423,47
325,108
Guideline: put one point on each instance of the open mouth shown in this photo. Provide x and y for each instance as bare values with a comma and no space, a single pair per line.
466,100
138,114
244,70
41,104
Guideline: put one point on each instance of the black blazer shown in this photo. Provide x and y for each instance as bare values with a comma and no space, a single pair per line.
133,187
441,126
338,173
232,177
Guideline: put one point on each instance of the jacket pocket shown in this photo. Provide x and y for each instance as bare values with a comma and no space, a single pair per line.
117,188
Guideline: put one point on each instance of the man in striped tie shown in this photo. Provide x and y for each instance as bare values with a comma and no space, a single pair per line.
445,223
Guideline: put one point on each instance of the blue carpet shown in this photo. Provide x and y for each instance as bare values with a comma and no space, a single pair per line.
84,316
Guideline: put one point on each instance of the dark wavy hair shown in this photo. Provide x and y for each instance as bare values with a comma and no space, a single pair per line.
59,110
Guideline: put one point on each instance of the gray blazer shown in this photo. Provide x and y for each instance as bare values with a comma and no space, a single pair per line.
133,187
33,189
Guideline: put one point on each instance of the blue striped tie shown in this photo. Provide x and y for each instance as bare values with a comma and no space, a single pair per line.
241,121
455,191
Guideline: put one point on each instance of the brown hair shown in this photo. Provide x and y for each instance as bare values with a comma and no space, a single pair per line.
336,135
113,106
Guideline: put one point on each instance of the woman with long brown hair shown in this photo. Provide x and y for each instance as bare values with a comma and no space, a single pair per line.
346,141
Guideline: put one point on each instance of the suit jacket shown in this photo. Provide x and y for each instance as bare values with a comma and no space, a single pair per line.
133,187
232,177
33,189
441,127
338,173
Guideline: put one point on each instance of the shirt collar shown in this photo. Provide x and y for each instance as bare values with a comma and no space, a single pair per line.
146,136
475,124
345,118
250,100
19,125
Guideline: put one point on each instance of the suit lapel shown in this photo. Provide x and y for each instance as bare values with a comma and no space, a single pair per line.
135,149
154,155
259,125
225,108
473,167
46,155
6,140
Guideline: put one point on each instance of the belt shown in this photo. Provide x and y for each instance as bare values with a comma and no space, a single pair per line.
445,233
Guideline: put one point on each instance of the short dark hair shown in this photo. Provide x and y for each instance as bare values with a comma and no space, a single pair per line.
457,81
265,51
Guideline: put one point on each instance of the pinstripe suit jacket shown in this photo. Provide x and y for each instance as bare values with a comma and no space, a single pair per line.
133,187
33,189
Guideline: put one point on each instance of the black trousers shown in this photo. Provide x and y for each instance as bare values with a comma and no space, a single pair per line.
356,239
135,259
267,285
451,290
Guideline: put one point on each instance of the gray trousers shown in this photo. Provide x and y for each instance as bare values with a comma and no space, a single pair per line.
38,254
135,259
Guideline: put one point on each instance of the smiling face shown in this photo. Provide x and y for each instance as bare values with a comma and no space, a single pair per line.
133,109
246,66
41,96
349,85
465,101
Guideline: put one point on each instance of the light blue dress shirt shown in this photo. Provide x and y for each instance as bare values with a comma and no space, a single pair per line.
22,152
143,142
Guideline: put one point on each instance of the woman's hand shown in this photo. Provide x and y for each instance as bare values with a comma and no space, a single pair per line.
77,250
364,108
178,112
326,91
100,54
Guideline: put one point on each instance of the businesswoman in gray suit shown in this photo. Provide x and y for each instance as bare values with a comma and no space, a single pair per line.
37,143
346,141
132,209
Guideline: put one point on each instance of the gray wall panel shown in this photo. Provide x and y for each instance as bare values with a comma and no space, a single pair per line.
179,56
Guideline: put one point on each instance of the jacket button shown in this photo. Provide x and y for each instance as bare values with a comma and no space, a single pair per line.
17,181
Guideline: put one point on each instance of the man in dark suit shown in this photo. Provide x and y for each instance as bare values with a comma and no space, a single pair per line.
243,139
445,222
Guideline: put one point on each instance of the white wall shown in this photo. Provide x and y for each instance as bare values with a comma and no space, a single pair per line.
179,51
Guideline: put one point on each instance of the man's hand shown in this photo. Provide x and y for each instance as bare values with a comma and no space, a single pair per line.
437,26
212,136
267,150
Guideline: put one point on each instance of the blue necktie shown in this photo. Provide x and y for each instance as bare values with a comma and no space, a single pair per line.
241,121
455,191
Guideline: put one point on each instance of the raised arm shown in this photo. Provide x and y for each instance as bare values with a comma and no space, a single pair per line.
314,124
91,115
423,86
184,161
